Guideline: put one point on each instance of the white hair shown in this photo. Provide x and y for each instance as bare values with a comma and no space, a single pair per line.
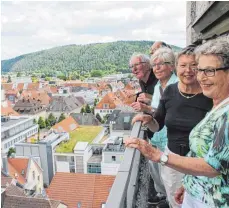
166,54
143,57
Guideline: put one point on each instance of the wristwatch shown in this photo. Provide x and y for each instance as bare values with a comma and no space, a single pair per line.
164,158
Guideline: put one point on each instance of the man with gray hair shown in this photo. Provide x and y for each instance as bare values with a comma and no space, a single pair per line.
140,67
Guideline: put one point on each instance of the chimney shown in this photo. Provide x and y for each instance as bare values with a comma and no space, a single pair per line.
5,164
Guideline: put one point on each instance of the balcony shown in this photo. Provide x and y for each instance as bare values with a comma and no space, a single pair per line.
131,185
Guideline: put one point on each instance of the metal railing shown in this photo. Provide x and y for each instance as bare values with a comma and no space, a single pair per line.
130,188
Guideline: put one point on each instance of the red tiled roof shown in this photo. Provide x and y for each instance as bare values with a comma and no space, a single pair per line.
11,92
110,99
12,201
5,180
53,89
14,190
90,190
37,95
16,165
8,111
68,124
20,86
7,86
33,86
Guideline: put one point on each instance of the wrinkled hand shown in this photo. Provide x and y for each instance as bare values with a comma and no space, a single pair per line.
179,196
145,95
140,107
145,148
145,119
144,100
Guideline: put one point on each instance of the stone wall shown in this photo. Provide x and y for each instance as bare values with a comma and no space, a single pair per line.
199,14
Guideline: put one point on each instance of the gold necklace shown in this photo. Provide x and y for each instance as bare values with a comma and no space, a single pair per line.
186,96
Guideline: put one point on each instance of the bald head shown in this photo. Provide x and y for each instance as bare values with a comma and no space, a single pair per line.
157,45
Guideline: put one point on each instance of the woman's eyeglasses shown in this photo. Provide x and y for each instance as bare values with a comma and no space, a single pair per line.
160,64
210,72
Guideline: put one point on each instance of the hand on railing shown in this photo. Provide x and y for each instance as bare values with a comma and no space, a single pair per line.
147,120
145,148
144,98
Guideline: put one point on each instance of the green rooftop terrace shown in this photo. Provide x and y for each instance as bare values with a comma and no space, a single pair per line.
81,134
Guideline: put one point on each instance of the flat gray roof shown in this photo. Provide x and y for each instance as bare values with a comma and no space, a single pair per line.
12,122
95,159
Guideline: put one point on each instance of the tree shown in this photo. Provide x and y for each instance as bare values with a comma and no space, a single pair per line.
93,110
82,110
41,123
87,109
105,117
62,117
47,78
96,73
98,117
9,79
95,102
38,134
11,151
34,79
51,119
47,123
34,121
19,74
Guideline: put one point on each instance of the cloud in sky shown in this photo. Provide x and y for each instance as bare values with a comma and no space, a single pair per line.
33,26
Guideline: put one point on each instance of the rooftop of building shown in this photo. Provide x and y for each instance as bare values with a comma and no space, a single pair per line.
11,121
80,134
88,190
52,137
95,159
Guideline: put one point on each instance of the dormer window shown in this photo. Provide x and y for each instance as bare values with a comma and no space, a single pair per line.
105,106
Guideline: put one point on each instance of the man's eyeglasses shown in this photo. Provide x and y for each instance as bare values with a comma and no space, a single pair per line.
135,65
211,72
160,64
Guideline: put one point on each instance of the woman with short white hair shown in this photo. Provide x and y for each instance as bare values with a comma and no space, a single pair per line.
163,64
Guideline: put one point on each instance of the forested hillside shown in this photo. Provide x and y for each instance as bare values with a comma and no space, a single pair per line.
107,57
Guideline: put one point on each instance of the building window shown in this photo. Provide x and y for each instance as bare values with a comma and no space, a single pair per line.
105,105
79,205
33,175
113,158
94,168
38,178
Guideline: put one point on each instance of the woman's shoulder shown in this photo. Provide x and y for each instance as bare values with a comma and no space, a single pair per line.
171,88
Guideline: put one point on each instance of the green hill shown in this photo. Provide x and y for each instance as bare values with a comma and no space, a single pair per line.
99,56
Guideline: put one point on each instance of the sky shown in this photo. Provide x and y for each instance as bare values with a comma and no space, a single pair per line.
28,26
